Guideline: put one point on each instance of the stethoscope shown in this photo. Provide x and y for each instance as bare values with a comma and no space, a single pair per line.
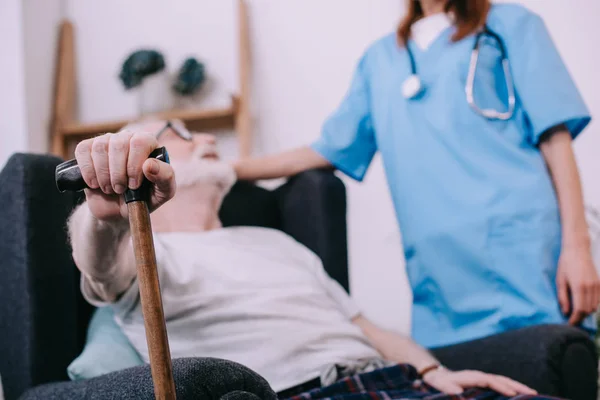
413,87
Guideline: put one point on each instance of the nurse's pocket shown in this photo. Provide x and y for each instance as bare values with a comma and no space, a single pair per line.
418,277
449,271
524,250
412,269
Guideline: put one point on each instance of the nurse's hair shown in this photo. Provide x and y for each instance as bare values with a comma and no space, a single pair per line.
468,15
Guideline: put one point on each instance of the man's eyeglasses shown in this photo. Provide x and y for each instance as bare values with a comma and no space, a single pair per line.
180,130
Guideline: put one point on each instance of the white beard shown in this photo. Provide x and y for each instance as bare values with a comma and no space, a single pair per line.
197,170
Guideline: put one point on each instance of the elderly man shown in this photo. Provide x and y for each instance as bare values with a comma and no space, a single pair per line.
250,295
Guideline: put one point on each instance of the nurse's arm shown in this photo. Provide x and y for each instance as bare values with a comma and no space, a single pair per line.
556,147
577,275
281,165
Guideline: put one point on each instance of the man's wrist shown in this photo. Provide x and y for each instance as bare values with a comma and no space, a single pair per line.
84,224
429,369
118,225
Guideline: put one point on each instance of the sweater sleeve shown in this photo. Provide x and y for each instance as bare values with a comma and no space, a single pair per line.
103,253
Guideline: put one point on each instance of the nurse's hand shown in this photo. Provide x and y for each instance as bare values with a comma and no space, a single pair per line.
454,383
578,284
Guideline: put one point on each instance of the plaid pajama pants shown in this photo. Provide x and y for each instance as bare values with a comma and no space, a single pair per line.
396,382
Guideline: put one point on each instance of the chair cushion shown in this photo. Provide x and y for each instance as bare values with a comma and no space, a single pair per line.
107,349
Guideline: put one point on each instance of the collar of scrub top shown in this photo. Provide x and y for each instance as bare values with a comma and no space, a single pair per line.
425,31
179,130
413,87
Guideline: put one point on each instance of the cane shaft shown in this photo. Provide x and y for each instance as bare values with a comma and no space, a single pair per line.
152,308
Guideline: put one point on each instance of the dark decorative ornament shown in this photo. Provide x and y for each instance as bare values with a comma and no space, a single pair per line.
139,65
191,76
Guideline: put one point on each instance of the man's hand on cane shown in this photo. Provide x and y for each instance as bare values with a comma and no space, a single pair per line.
112,163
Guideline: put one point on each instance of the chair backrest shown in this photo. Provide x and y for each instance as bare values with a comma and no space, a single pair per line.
310,207
38,333
250,205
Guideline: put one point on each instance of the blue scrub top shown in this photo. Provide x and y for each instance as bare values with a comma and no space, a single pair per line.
473,198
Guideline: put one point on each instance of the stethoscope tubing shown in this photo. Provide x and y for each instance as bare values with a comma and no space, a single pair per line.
470,84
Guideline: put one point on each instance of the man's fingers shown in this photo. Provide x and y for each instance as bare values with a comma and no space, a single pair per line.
83,154
162,176
448,387
500,386
159,173
140,147
100,161
563,295
519,387
497,383
493,382
118,150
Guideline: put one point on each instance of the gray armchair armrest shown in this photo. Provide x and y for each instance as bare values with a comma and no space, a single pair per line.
38,277
195,378
556,360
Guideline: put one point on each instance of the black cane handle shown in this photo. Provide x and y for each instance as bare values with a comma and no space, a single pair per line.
68,176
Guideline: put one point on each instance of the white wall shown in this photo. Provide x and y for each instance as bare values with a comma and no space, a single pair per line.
40,35
12,81
304,53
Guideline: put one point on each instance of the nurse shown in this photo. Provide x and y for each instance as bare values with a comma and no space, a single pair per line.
489,203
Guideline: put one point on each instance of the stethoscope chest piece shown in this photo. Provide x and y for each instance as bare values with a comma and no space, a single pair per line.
412,87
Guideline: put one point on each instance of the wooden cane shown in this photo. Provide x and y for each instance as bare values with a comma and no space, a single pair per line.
68,178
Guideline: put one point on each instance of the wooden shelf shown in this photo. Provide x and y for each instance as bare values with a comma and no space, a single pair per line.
66,131
198,120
